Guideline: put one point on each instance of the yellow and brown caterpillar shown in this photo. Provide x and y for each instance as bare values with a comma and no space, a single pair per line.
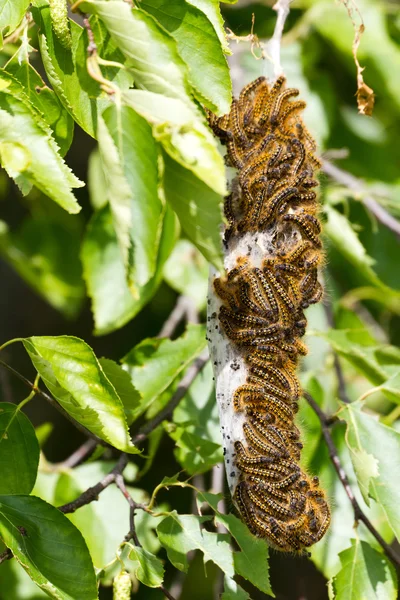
256,312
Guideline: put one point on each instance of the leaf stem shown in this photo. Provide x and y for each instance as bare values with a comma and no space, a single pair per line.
10,342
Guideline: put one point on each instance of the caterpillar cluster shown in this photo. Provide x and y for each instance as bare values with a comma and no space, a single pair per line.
273,207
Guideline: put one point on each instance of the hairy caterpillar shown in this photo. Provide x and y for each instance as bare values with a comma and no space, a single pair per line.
256,313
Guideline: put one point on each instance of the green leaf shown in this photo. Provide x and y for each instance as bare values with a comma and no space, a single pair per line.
193,452
74,376
146,567
19,451
197,206
211,8
186,271
192,31
97,185
346,342
179,534
345,239
129,158
43,98
37,252
151,55
112,302
51,550
338,537
27,148
183,133
120,379
155,363
366,574
197,412
67,72
374,450
233,591
252,560
103,523
198,436
11,14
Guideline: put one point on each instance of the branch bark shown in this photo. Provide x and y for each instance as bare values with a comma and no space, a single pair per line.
358,186
359,515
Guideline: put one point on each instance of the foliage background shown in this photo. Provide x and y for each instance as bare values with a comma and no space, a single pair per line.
45,292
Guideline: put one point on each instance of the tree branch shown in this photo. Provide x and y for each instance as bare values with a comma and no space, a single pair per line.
93,492
6,555
342,393
358,186
184,308
78,456
274,44
334,456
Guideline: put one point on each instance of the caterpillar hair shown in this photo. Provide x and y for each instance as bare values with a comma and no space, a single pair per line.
273,253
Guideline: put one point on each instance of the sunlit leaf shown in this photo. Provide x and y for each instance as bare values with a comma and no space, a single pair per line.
179,534
197,206
375,452
208,69
74,376
129,158
28,149
112,302
251,562
365,573
156,362
146,567
183,133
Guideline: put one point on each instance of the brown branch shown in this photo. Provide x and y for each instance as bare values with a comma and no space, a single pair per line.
358,186
342,393
183,309
133,506
92,493
334,456
183,387
6,555
78,456
53,402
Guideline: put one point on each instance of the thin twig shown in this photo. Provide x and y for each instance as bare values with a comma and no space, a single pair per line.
358,186
183,387
78,456
334,456
131,535
93,492
92,46
342,393
53,403
274,44
6,555
184,308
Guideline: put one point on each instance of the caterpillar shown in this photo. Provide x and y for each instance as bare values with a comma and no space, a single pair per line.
256,314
